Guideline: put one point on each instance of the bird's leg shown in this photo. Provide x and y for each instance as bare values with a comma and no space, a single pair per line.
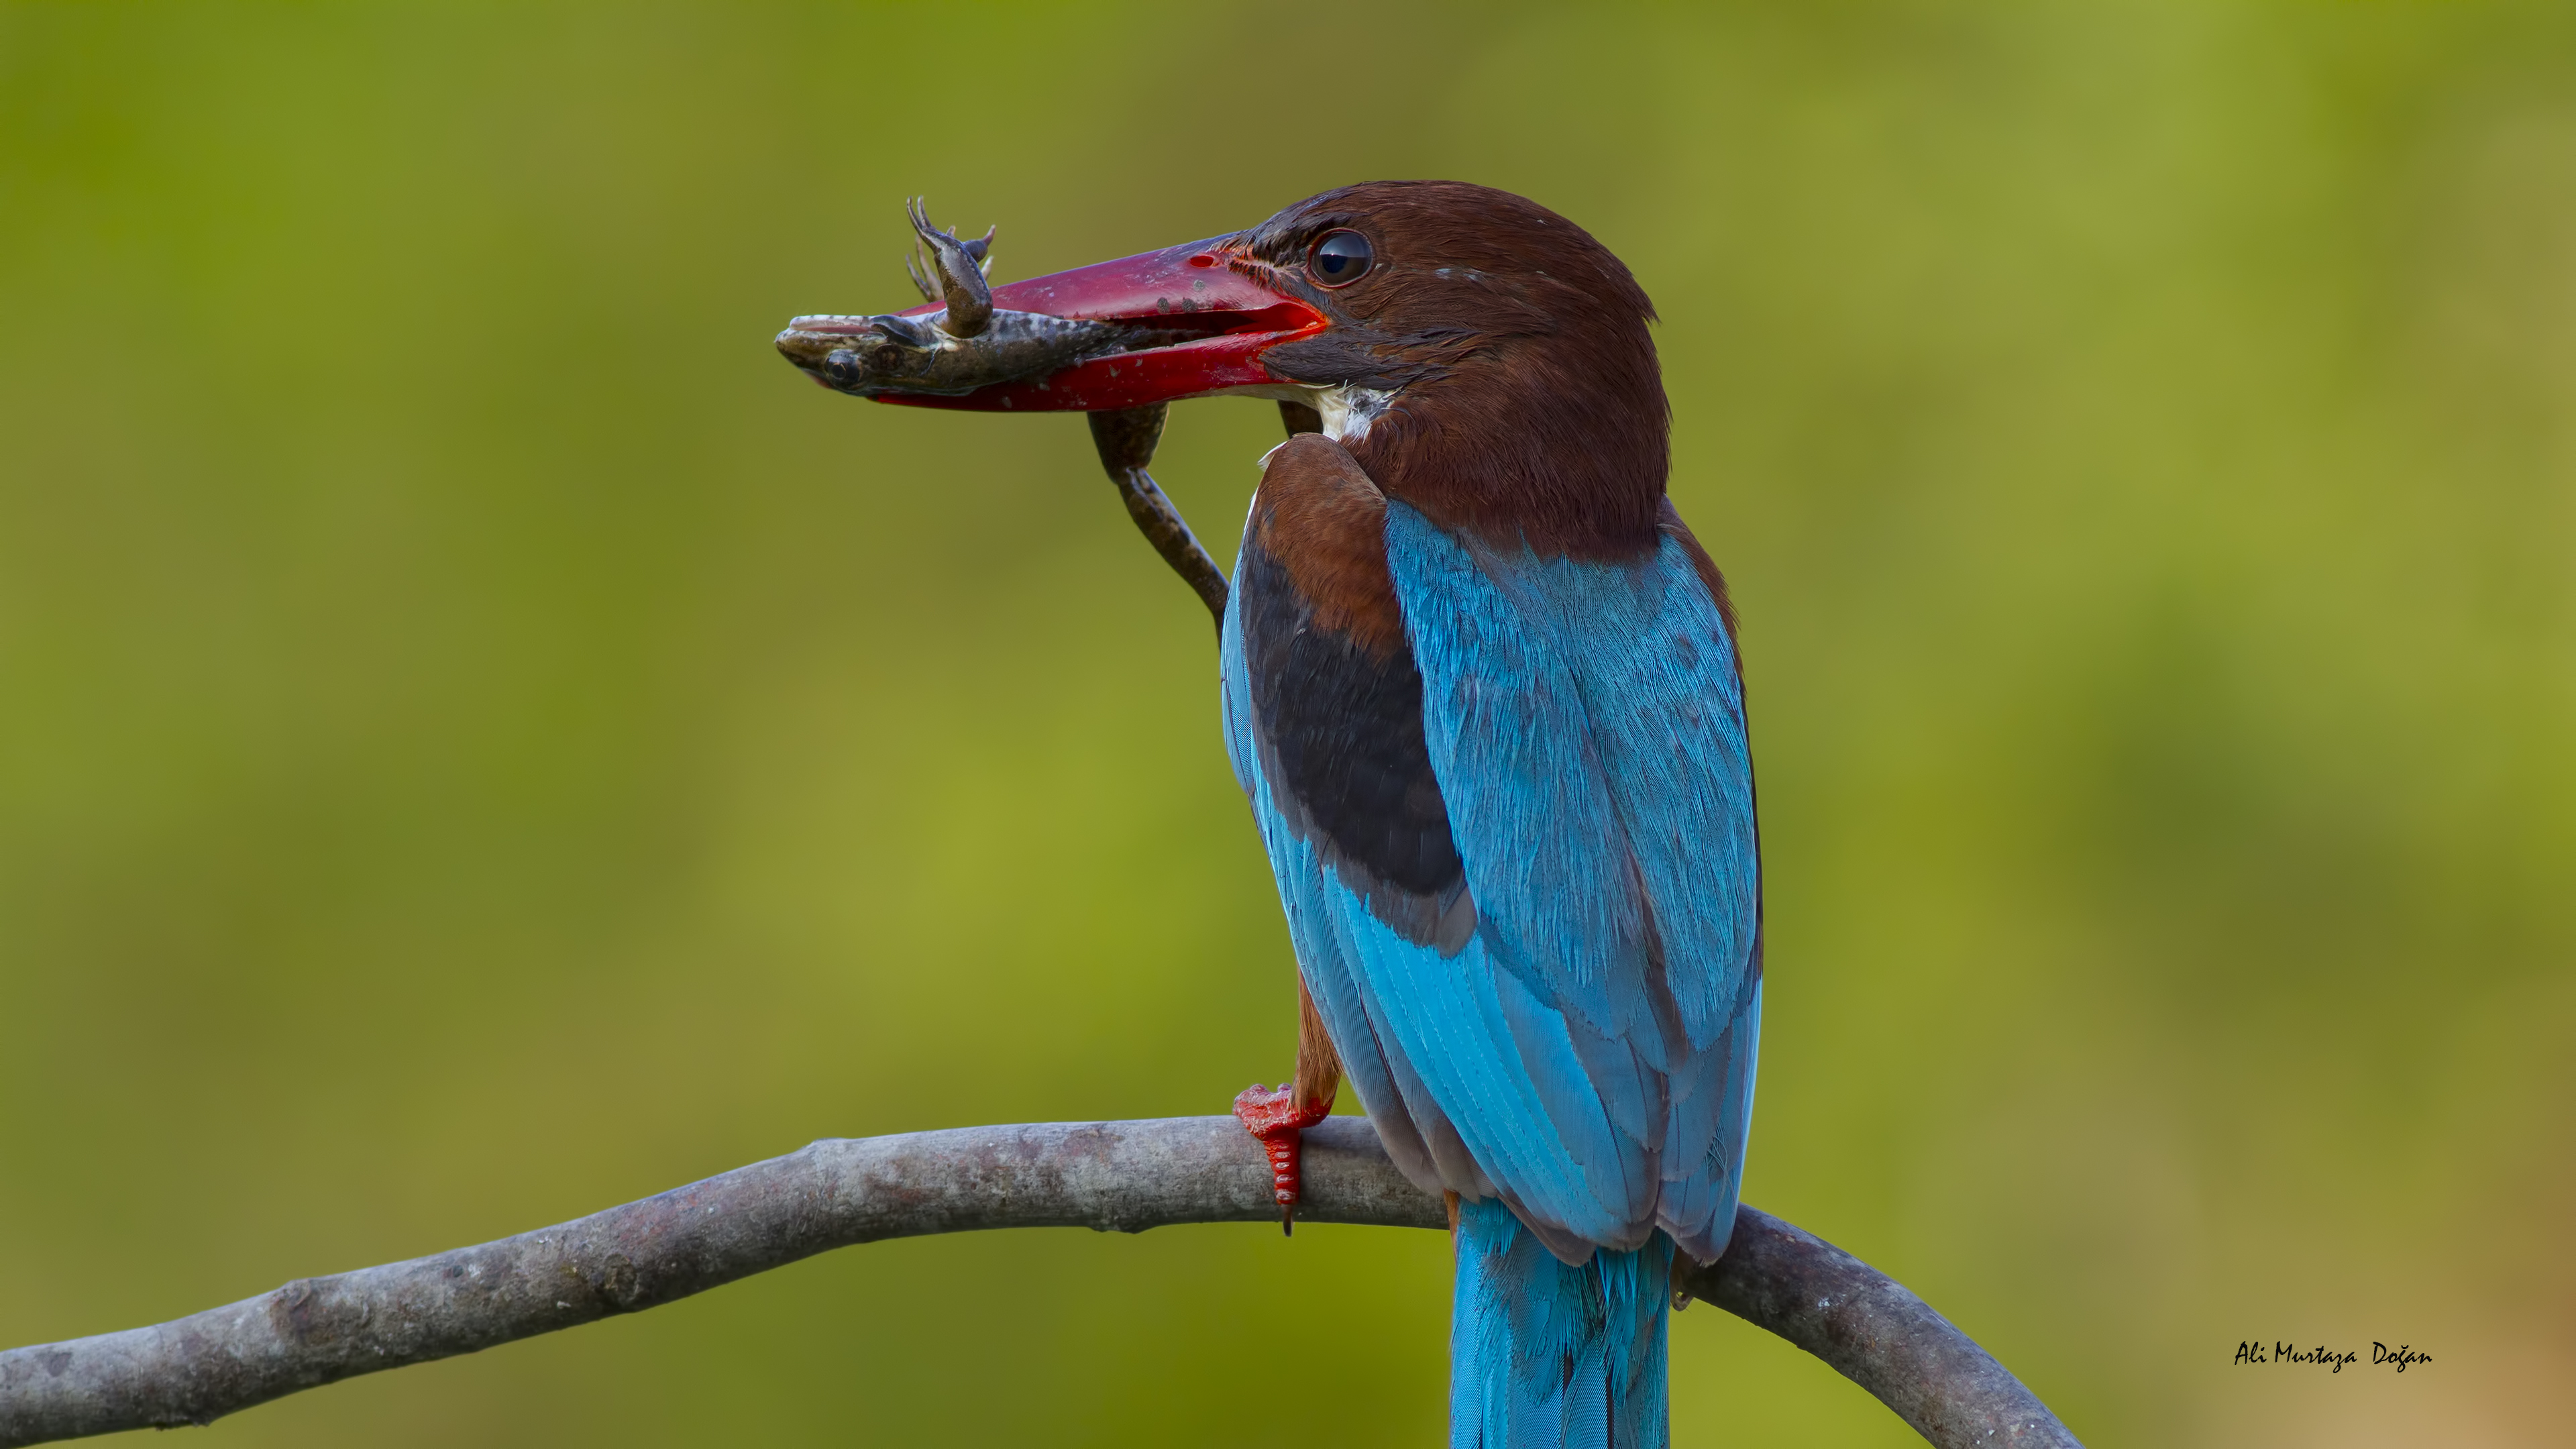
1278,1116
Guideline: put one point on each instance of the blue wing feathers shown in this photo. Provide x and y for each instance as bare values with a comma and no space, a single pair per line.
1605,695
1505,722
1657,715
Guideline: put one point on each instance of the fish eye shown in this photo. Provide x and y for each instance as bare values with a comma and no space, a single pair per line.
1340,258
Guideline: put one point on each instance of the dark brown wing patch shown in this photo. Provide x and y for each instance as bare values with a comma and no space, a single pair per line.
1336,699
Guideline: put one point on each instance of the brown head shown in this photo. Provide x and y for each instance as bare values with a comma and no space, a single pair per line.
1483,358
1488,362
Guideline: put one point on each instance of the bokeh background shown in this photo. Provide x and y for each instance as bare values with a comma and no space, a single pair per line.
481,739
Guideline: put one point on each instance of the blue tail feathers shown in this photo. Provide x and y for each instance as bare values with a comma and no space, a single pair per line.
1543,1356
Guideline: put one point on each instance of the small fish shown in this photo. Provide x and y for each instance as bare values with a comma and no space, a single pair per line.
887,353
965,345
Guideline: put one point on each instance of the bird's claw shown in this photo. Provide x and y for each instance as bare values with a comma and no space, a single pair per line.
1278,1119
952,273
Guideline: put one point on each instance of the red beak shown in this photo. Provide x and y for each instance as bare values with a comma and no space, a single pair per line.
1204,294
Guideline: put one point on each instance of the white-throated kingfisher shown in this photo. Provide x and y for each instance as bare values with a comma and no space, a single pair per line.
1481,686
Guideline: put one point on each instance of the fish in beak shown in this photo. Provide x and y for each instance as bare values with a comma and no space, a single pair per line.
1187,321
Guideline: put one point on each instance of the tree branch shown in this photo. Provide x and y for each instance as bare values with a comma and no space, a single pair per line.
1113,1176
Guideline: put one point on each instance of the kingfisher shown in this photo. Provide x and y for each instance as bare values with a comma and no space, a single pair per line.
1480,685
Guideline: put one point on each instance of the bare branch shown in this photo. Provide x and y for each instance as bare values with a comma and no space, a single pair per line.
1874,1332
1112,1176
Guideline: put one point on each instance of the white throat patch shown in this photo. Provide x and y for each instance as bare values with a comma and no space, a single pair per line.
1349,410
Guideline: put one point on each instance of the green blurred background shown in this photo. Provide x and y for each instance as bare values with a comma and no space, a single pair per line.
481,739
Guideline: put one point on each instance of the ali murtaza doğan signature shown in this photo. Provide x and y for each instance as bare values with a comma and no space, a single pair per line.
2331,1359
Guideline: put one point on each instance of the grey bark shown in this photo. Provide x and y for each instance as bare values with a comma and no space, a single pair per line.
1874,1332
1112,1176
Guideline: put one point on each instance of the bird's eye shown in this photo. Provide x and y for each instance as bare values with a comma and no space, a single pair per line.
1340,258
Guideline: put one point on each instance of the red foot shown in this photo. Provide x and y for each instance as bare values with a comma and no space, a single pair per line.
1276,1118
